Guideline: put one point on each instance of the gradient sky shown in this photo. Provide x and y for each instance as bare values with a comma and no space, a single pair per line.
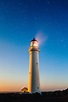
20,21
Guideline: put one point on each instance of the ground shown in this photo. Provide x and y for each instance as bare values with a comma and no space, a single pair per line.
56,96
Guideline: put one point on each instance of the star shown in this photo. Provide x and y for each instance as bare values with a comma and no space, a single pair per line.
35,18
61,40
20,3
48,2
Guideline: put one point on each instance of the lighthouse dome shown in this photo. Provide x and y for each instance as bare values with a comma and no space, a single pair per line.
34,40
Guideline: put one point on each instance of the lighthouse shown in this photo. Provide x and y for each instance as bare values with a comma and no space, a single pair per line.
33,77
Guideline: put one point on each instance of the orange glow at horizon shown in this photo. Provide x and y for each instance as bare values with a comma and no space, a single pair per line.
16,86
11,86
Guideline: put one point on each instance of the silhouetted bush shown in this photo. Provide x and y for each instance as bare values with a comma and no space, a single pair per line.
56,96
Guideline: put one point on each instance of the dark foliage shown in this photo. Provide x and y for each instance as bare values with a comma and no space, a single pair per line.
56,96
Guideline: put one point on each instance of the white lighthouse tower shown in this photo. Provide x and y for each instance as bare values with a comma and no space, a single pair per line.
33,80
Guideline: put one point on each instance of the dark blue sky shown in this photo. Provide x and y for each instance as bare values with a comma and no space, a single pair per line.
20,21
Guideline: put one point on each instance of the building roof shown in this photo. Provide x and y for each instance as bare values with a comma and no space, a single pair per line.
34,40
24,88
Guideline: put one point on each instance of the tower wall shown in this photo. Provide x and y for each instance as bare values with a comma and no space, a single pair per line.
33,81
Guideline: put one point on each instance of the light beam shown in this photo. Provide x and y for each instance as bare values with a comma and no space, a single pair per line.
41,37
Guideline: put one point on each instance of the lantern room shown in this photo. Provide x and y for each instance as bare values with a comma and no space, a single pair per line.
34,43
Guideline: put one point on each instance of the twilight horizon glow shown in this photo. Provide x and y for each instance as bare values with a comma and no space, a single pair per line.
20,21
